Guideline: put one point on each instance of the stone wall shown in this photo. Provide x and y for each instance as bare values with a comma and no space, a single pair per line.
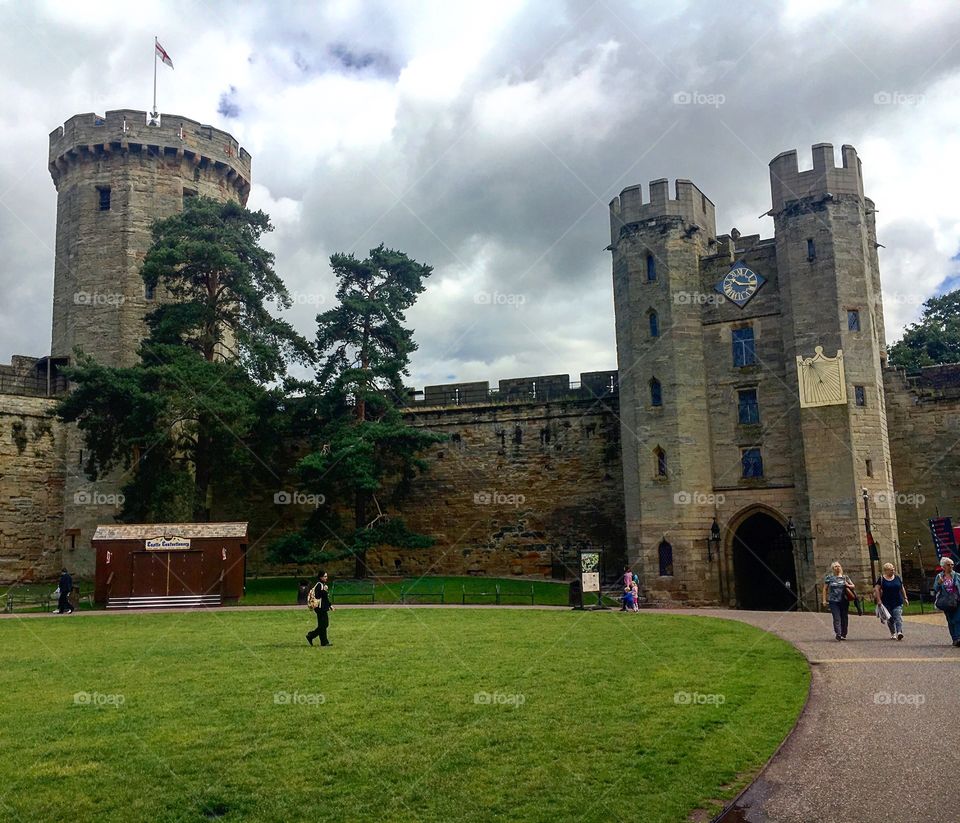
516,488
923,414
31,489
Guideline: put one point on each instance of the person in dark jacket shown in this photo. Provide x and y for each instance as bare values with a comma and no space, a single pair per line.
890,591
322,593
66,586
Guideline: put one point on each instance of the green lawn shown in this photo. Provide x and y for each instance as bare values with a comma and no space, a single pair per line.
412,715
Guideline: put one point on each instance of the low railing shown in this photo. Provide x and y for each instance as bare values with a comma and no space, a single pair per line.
31,386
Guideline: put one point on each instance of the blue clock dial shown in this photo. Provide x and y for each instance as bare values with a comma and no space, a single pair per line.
740,284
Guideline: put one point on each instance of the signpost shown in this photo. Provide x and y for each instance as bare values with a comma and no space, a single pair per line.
590,573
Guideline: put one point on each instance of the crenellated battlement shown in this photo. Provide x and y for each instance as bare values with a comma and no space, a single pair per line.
788,183
689,203
89,136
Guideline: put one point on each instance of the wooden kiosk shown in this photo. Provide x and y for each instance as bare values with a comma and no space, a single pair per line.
170,564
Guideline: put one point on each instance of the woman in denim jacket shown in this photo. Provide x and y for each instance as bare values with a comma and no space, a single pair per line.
948,585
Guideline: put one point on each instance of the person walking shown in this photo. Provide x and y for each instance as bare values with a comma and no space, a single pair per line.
65,587
890,591
319,597
837,588
946,592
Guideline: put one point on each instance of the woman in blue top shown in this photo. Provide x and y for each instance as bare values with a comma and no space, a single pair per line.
889,590
946,590
835,586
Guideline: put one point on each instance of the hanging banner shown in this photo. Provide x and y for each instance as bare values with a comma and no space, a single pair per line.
941,529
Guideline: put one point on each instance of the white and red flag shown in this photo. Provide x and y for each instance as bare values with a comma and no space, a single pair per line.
162,54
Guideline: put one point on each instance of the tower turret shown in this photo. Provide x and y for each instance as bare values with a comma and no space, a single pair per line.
830,296
116,175
657,248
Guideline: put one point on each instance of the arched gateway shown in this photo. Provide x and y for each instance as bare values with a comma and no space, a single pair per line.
763,564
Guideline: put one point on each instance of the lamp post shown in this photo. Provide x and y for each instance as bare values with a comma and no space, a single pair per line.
794,536
871,545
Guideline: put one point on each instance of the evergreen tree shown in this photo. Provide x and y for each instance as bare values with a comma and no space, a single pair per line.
366,455
934,339
193,409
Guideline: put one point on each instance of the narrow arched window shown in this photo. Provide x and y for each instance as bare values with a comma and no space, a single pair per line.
654,324
651,268
656,393
660,456
665,558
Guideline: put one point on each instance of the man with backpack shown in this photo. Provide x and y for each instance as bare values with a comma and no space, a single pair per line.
318,599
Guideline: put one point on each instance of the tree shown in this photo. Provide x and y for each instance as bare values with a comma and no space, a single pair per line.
192,408
365,450
934,339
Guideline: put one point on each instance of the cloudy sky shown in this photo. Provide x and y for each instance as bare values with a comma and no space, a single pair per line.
486,138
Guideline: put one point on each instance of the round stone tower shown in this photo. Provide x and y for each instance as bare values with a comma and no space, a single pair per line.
116,175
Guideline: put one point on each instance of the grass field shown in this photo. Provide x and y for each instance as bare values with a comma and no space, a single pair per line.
412,715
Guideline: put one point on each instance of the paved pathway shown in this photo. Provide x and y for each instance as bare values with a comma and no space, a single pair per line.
869,745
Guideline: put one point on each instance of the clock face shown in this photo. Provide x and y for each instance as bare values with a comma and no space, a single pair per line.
740,284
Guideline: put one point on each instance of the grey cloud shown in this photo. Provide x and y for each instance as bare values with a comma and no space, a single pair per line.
521,208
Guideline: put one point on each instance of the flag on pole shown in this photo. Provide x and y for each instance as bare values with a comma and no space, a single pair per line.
162,54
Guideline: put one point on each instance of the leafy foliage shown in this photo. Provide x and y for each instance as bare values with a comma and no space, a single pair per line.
198,405
934,339
364,450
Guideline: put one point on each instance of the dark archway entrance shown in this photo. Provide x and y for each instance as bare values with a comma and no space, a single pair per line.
763,565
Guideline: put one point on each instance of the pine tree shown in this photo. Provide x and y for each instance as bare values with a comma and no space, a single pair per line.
193,408
365,450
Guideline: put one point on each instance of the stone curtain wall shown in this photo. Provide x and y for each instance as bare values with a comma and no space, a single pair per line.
516,488
923,415
31,489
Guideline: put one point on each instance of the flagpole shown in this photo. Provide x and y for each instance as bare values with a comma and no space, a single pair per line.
155,41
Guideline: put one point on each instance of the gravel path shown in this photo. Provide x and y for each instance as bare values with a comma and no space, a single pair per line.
869,746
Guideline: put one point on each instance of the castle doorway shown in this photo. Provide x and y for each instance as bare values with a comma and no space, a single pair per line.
763,564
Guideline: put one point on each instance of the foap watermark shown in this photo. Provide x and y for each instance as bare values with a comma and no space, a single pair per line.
897,98
698,98
98,699
698,699
898,699
496,498
498,699
298,498
95,298
496,298
899,499
92,497
698,499
295,698
697,298
298,298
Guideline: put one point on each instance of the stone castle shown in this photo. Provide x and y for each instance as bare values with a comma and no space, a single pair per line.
729,459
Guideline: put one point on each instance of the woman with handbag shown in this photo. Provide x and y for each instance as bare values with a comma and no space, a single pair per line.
889,591
838,591
946,591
